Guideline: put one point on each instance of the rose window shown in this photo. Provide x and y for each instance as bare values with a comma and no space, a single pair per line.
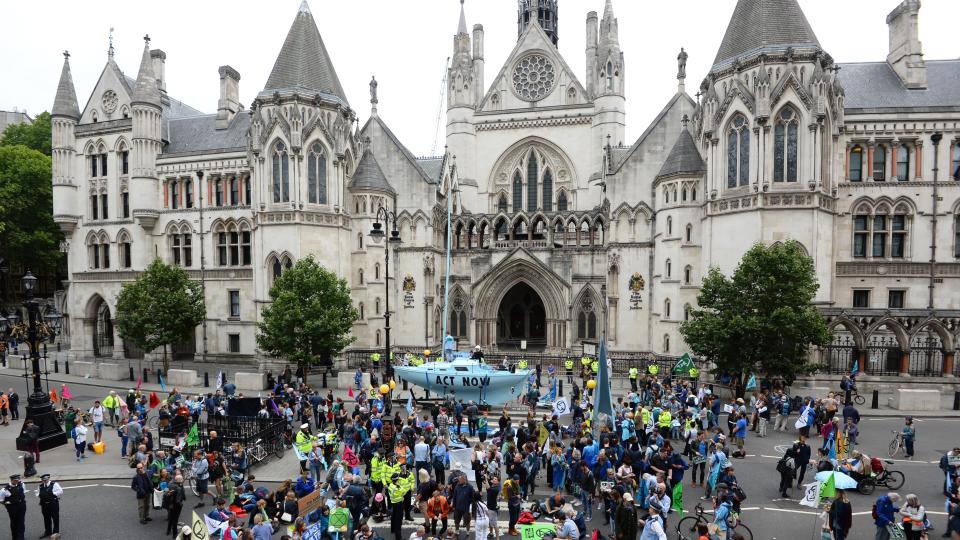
533,77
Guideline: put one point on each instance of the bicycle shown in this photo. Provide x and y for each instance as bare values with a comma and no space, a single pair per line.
256,453
189,479
687,527
856,397
896,444
890,479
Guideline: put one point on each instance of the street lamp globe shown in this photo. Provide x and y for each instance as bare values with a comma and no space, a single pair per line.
29,281
377,231
395,236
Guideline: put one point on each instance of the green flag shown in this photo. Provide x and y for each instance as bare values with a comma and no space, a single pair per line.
828,490
683,365
193,438
677,498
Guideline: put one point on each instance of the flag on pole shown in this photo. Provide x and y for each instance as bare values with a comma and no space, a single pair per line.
65,392
410,404
219,380
350,392
163,385
350,458
811,495
53,395
832,448
139,381
193,437
828,489
856,367
274,408
683,365
154,400
751,383
677,498
602,402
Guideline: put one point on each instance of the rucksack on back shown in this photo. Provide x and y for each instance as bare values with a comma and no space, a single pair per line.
873,512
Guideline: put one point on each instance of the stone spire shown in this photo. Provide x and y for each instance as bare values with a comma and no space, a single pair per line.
764,26
65,104
462,27
146,90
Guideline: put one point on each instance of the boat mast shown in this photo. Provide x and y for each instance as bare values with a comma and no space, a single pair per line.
446,277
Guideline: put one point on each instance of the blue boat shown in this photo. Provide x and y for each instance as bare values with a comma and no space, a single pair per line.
466,379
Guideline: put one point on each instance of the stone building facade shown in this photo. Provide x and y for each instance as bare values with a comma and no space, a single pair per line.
561,229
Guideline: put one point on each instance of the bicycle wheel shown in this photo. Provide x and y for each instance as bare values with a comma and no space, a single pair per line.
743,531
278,449
859,399
866,486
153,422
895,480
894,447
687,527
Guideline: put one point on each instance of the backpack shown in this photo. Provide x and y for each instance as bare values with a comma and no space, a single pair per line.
739,493
873,512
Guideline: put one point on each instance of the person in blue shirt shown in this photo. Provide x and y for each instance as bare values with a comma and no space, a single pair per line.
886,514
909,435
721,515
740,435
305,485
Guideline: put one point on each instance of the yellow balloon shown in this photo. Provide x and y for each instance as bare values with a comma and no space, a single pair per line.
393,384
384,389
591,384
426,352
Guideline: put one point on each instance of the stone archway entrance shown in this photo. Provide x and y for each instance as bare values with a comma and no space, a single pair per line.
522,317
103,331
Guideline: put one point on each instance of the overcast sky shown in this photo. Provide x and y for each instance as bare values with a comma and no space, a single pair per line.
404,43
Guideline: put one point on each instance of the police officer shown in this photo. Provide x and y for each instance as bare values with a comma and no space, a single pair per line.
15,499
568,367
633,379
49,494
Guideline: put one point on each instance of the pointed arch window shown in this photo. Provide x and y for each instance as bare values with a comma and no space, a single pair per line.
547,191
856,164
609,74
281,173
669,225
376,306
562,202
687,274
317,175
360,309
502,203
360,241
669,268
587,320
666,308
903,163
125,248
532,174
277,269
738,152
218,192
376,271
666,343
689,233
458,317
234,191
517,192
188,193
785,146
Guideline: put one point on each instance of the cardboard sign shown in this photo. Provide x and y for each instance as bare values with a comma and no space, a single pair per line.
535,531
953,461
606,485
460,460
308,503
199,527
314,532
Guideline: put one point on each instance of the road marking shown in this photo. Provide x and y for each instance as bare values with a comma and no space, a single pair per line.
934,512
771,457
862,513
790,511
750,508
75,487
115,485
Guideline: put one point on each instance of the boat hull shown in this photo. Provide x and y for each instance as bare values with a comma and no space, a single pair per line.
482,385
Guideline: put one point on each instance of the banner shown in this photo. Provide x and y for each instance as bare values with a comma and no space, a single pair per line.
676,503
215,527
811,495
199,527
561,407
460,460
349,457
536,531
313,532
683,365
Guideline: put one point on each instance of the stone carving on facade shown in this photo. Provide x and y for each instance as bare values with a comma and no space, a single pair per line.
409,285
636,284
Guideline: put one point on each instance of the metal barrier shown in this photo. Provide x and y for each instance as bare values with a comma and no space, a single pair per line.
245,430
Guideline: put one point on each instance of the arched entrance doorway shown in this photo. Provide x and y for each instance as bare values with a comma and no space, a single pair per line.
522,317
103,331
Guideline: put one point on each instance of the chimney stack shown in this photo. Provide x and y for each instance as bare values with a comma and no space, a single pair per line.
159,60
229,103
906,52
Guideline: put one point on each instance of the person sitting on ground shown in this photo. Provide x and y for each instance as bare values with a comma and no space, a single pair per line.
305,485
553,506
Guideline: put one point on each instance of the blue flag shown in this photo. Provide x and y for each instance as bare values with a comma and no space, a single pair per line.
410,404
832,447
752,382
163,385
855,368
602,401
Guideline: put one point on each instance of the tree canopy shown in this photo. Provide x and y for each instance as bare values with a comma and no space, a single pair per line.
36,135
311,314
162,307
760,319
29,238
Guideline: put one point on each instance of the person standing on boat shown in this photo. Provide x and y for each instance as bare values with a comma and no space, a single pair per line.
477,354
449,344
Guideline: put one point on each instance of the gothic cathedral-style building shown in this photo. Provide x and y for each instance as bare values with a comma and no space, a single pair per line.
561,230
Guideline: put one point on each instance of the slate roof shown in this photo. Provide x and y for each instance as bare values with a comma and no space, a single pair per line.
146,89
369,175
764,26
199,135
303,64
684,158
429,178
65,103
432,166
874,86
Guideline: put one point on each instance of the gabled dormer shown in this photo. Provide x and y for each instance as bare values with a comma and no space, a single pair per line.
110,98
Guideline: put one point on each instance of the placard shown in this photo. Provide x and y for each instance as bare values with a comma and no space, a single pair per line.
728,409
535,531
308,503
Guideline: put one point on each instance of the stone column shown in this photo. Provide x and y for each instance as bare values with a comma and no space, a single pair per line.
846,168
905,364
918,158
870,149
894,149
948,364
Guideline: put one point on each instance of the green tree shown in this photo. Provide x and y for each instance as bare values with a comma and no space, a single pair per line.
311,314
36,135
29,238
162,307
761,319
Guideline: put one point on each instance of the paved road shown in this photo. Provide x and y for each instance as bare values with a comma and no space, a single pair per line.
106,509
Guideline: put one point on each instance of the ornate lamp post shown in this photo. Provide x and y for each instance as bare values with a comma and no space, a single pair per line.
39,407
377,233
